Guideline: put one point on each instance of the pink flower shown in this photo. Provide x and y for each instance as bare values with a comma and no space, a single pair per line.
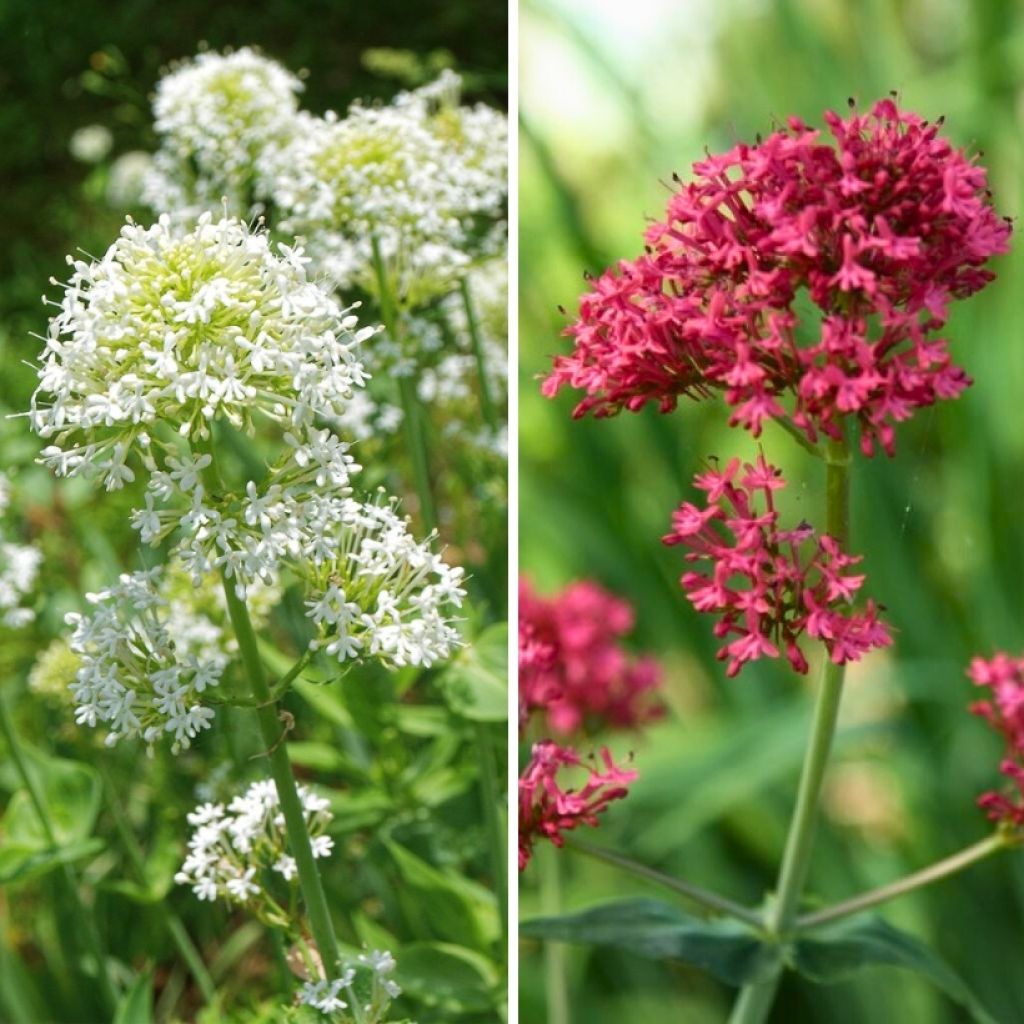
546,810
881,228
769,585
1004,676
572,667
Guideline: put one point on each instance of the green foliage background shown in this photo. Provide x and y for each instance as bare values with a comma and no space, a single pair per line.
400,754
615,98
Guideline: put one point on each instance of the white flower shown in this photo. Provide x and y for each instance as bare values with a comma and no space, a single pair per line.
182,328
374,590
151,646
372,1000
90,144
220,118
19,569
420,175
229,848
127,179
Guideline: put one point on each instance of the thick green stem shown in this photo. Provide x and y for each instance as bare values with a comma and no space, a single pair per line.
272,730
486,402
89,933
697,894
179,935
756,999
926,876
491,798
412,413
556,984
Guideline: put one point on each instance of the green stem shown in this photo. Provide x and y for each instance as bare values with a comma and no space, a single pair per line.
800,438
486,402
697,894
555,967
89,933
490,795
926,876
756,999
179,935
281,771
415,437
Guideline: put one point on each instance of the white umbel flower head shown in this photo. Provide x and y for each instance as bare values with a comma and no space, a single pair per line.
19,569
220,118
363,987
231,848
150,649
417,175
373,590
177,329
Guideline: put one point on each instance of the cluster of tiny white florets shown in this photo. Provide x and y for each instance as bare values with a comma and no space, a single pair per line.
361,994
149,650
127,179
221,119
177,328
19,568
374,591
419,176
232,847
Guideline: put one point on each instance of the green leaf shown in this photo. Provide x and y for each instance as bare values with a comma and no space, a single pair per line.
728,950
21,863
136,1005
448,978
71,793
456,908
837,953
475,685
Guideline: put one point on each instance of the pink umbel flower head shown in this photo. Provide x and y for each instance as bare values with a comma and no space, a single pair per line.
1004,676
768,585
880,228
572,667
546,810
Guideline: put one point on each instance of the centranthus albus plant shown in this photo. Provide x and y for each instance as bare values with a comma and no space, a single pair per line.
171,339
804,280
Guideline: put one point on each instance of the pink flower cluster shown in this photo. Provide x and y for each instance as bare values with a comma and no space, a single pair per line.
572,668
881,228
547,811
1004,676
769,585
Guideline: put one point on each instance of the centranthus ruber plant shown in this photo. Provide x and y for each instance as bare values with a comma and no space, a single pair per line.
804,279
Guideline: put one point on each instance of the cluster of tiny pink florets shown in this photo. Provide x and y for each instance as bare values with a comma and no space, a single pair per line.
572,666
546,810
880,228
769,585
575,677
1004,676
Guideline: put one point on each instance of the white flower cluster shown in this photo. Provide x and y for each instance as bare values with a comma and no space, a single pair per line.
364,987
126,183
179,328
375,591
151,647
231,848
422,176
221,119
19,568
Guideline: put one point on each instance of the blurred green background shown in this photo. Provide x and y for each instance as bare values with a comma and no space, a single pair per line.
615,98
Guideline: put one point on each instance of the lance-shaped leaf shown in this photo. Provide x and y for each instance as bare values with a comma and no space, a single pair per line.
727,949
836,953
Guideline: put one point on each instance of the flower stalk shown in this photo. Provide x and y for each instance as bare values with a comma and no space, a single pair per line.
556,983
281,771
412,415
486,401
755,999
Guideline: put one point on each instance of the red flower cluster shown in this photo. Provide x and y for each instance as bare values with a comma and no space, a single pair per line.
546,810
1004,675
769,585
881,229
571,666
